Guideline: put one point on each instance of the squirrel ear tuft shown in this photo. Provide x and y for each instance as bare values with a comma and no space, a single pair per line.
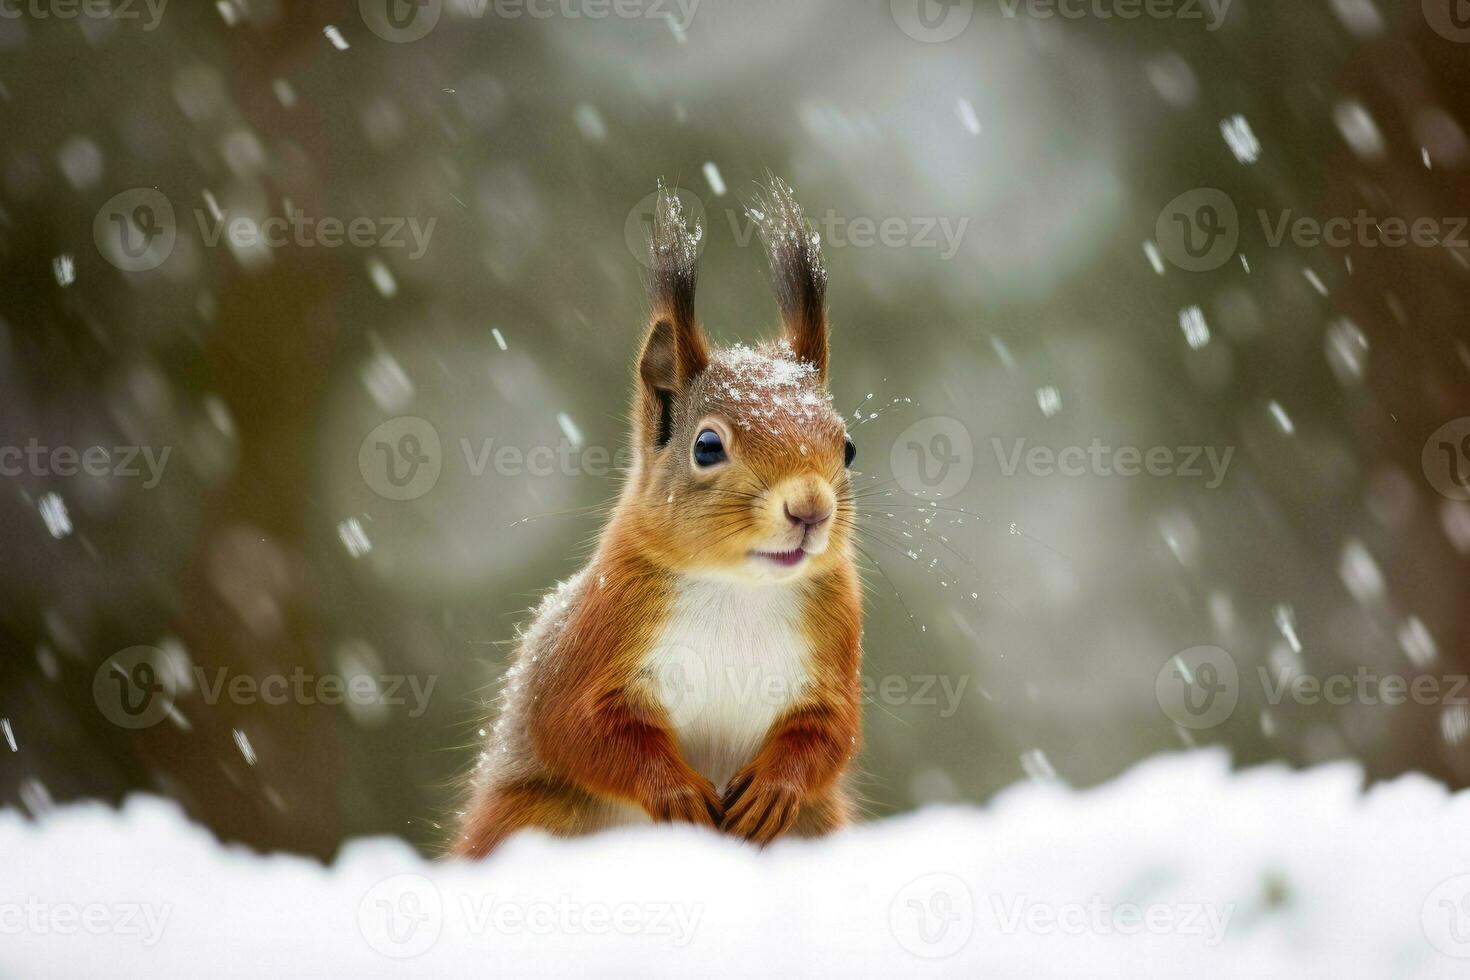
798,272
674,260
675,349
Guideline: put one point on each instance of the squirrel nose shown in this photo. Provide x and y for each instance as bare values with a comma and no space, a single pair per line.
808,513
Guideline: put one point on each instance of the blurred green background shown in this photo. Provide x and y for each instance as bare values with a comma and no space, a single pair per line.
1022,290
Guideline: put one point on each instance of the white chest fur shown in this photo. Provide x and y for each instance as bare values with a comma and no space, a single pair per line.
729,661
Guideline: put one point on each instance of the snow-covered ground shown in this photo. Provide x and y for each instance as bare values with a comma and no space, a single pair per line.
1177,869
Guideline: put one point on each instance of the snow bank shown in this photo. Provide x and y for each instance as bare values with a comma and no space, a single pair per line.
1178,869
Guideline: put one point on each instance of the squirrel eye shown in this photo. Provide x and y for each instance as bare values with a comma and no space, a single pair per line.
709,449
849,453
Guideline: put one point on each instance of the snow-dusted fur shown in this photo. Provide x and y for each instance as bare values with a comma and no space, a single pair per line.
704,666
1263,874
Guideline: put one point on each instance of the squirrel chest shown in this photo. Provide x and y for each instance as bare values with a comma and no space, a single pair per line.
727,663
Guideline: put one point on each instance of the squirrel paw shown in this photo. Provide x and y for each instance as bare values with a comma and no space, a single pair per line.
696,803
760,810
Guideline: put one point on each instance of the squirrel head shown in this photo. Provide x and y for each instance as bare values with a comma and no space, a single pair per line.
742,463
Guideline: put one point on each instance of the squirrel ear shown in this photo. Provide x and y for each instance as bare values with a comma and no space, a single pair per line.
797,271
674,349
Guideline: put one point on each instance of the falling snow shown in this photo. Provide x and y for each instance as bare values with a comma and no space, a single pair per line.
713,178
354,538
1196,331
55,515
242,742
64,268
288,387
966,111
1241,139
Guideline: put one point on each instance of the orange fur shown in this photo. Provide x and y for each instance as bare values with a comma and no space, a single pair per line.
585,739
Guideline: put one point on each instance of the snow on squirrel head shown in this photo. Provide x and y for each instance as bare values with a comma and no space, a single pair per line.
742,463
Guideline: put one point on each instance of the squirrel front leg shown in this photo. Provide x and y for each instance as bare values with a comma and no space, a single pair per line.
809,746
615,742
807,750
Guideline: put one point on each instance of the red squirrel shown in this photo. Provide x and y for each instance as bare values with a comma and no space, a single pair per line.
704,666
